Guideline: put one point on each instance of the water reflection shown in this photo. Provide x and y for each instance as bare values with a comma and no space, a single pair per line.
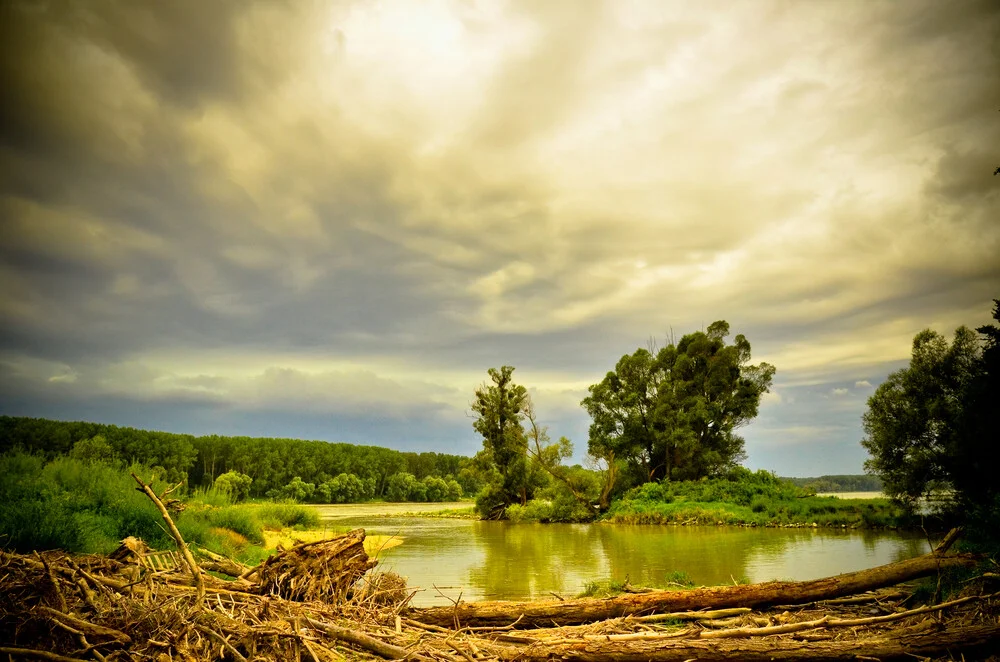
494,560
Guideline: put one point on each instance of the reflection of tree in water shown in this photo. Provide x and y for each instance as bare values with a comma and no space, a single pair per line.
709,555
814,553
530,560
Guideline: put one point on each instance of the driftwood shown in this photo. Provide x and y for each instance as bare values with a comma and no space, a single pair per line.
176,534
50,604
586,610
325,570
890,646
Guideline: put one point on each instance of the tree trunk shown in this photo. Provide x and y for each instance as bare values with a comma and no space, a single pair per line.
586,610
886,647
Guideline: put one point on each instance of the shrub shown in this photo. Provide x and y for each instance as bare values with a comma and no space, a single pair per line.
280,515
235,484
72,504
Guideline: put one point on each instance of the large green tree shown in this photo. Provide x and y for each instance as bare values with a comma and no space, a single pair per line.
674,415
933,423
499,408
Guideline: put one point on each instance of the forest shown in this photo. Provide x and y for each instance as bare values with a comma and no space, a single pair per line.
312,471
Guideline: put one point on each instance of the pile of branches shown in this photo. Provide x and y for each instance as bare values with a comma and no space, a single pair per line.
324,571
65,609
61,608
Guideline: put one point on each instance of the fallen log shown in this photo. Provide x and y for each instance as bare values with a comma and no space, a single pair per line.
891,646
586,610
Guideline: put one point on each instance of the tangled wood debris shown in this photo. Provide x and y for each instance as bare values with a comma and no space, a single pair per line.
321,602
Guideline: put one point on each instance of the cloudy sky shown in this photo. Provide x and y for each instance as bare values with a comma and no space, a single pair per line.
328,219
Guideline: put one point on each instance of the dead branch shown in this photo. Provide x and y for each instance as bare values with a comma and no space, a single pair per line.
38,655
380,648
178,538
85,627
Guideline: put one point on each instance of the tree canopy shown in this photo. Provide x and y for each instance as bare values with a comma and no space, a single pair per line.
673,415
500,407
933,423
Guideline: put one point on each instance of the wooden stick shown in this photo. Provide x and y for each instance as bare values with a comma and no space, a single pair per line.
54,582
692,615
85,626
949,540
380,648
38,655
222,640
178,538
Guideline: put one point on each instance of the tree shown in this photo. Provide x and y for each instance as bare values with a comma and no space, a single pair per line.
933,423
499,409
235,484
673,415
93,449
549,456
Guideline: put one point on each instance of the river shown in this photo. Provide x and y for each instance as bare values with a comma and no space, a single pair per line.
502,561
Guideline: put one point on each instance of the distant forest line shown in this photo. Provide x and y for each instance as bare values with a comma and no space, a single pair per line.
839,483
273,464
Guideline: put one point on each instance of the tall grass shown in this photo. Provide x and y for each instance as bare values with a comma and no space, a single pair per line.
73,505
89,507
280,515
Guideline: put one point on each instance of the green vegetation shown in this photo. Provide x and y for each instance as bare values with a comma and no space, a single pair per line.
89,506
933,426
657,417
747,498
678,579
72,504
673,415
511,477
304,471
839,483
739,498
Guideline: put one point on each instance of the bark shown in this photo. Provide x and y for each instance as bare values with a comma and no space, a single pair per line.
890,646
31,653
178,538
586,610
86,627
367,642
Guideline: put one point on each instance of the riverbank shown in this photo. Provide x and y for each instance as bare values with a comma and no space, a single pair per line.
742,498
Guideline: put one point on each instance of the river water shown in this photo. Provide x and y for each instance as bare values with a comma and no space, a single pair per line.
502,561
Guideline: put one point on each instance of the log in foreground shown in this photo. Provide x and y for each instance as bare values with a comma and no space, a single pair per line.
586,610
888,647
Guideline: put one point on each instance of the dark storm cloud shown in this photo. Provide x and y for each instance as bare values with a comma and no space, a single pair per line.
358,208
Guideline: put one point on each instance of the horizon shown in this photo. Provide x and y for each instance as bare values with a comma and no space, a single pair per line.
328,222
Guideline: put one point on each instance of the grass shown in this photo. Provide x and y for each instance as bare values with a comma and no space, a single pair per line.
89,507
748,499
448,513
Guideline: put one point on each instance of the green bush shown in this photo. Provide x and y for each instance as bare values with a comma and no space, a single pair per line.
280,515
235,485
73,504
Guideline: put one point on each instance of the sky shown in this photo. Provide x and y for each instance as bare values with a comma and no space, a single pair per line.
327,220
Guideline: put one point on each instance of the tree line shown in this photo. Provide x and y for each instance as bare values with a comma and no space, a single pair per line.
254,466
839,483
